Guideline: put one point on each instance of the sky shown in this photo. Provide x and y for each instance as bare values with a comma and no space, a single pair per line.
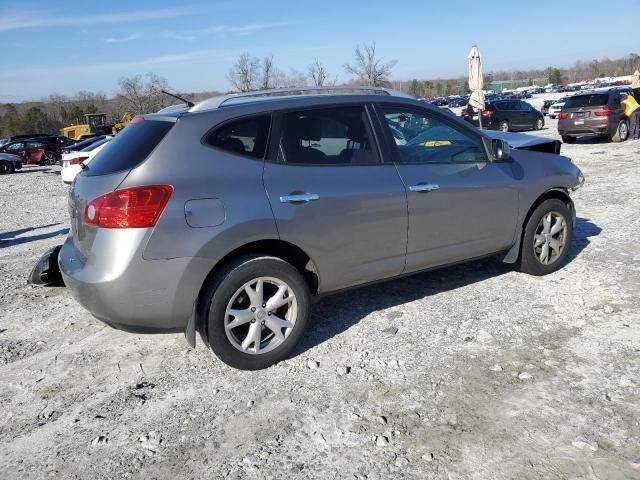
66,46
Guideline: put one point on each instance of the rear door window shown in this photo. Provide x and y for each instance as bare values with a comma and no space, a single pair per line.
129,148
247,136
328,136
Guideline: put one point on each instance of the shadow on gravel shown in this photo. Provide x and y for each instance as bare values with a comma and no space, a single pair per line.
592,140
585,229
337,313
10,239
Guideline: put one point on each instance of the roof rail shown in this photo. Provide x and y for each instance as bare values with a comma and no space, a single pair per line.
217,102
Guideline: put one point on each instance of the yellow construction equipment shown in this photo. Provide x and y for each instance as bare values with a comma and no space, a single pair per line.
126,120
95,124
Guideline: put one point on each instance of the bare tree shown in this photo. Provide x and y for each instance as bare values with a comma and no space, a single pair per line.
295,78
270,74
140,95
244,75
317,73
368,69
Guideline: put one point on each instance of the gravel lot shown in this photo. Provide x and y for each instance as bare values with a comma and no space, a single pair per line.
471,372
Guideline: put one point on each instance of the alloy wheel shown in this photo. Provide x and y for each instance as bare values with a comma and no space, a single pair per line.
624,131
260,315
550,238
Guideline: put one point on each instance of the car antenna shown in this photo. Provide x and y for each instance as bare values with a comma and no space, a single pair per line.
189,103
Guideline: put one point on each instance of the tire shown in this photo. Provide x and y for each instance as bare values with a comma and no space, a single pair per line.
568,139
531,259
6,168
225,292
504,126
622,132
539,124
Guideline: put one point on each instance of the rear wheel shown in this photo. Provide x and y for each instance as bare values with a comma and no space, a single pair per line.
256,311
547,238
622,132
539,124
504,126
567,139
5,167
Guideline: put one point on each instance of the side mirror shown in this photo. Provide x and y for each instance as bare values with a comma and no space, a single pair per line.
501,150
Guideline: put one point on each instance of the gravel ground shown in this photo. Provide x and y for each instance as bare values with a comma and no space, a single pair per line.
470,372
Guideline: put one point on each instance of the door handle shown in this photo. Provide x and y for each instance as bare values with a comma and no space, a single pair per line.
424,187
299,198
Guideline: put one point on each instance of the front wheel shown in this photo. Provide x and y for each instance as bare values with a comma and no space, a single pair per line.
257,309
547,238
622,132
539,124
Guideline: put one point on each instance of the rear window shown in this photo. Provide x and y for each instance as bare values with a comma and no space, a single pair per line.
581,101
129,148
247,136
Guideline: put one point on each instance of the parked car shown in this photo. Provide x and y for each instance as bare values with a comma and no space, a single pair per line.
9,163
32,153
460,102
556,108
61,140
14,138
598,113
78,146
74,162
227,217
506,115
545,106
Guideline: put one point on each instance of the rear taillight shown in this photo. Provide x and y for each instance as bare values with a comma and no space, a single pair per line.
77,160
604,112
563,115
488,113
135,207
465,114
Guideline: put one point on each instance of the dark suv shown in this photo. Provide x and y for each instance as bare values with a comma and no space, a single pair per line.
506,115
597,113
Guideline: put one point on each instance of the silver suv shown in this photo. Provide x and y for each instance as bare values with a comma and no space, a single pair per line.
227,217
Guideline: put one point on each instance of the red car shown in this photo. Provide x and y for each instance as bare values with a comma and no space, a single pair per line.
34,152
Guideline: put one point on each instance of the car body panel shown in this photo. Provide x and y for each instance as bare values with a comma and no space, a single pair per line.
149,279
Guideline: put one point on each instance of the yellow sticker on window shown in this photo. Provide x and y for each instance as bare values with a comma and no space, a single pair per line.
437,143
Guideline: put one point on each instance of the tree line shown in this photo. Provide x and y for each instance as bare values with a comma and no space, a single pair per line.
142,94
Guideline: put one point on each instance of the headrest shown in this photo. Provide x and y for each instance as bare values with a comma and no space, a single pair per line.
307,128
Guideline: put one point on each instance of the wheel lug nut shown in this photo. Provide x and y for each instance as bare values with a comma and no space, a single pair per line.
253,320
263,322
264,305
253,309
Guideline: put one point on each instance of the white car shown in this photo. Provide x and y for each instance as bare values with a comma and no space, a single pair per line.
72,162
555,108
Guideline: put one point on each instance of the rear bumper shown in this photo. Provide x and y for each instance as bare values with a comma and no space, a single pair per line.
69,173
584,130
130,293
487,122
